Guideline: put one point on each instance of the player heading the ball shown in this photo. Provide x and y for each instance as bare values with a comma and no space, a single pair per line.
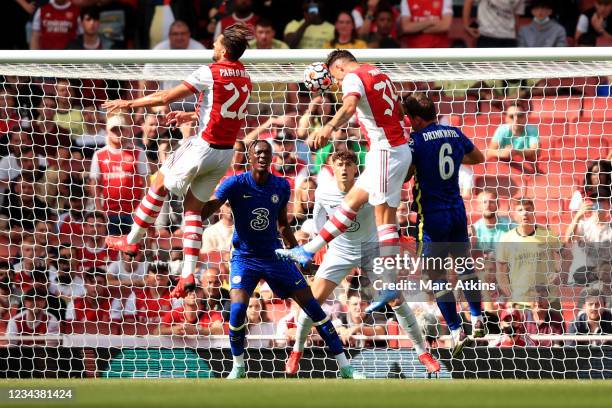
194,170
369,92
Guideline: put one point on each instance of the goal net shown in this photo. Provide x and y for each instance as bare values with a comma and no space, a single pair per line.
69,178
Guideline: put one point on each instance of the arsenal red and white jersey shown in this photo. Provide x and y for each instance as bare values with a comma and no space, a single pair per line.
378,109
426,10
121,173
43,323
227,21
58,25
224,90
97,257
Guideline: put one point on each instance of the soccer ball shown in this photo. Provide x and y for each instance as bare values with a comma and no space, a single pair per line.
317,78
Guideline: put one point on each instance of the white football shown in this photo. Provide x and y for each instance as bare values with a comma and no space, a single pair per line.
317,77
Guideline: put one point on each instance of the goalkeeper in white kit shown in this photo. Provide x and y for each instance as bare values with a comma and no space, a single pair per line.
355,248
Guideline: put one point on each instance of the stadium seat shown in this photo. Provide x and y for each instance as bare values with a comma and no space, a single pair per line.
596,109
555,109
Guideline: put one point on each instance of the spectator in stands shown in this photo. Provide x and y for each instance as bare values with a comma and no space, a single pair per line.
22,206
355,321
214,295
65,279
515,142
8,113
153,299
310,32
542,319
191,319
258,323
593,23
21,160
364,15
68,116
70,222
264,36
594,234
156,17
117,20
597,184
595,318
286,326
95,305
426,24
34,319
243,13
303,202
487,231
543,31
30,264
286,163
117,176
153,131
179,38
94,131
512,330
43,122
528,257
90,39
495,24
55,25
6,309
218,237
385,33
125,277
345,33
94,251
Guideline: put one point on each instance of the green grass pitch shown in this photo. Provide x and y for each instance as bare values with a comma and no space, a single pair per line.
294,393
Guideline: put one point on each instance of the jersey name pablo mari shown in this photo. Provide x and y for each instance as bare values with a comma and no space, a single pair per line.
378,109
224,90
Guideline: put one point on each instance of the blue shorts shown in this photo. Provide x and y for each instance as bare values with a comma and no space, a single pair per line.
283,277
444,232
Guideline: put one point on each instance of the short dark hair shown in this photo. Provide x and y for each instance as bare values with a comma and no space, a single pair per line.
95,215
254,143
264,22
524,201
236,40
337,55
345,155
419,105
543,4
91,11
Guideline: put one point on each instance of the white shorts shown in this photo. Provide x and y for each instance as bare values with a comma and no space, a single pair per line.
336,265
196,166
384,174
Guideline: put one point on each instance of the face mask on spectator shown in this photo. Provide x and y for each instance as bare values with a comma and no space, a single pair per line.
541,21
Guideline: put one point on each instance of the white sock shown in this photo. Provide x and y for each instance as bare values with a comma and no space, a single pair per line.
475,319
407,320
239,361
301,332
342,360
136,233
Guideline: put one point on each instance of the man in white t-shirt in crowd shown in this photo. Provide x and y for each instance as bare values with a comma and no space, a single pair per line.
179,38
591,229
496,22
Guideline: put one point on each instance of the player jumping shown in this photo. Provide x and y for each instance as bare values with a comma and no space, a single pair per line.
438,151
356,247
259,204
369,92
194,170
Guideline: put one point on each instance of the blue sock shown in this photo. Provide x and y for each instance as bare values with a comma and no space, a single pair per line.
324,326
237,327
473,297
448,306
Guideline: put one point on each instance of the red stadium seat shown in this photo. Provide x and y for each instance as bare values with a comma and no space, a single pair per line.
555,109
596,109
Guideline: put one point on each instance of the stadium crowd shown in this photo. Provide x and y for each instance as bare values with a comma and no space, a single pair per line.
70,175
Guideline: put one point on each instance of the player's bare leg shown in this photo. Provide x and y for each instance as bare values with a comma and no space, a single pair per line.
326,330
144,217
192,243
335,226
237,328
389,244
321,290
407,321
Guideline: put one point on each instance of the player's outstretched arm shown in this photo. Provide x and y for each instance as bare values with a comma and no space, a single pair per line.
473,157
159,98
285,229
211,206
345,113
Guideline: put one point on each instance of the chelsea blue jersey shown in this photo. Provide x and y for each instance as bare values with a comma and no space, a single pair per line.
255,209
437,152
